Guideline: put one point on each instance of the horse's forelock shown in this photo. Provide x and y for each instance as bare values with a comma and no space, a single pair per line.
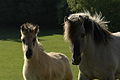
28,28
70,31
66,30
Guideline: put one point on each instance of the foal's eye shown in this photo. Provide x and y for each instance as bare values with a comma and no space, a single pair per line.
34,39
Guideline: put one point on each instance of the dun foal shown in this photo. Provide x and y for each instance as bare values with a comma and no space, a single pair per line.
38,65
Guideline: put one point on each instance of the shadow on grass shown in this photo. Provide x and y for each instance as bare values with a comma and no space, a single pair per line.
13,34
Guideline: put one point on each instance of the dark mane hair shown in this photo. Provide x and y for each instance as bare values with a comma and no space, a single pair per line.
101,35
29,27
94,25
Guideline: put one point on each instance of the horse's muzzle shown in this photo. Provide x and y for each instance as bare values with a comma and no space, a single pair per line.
29,53
76,61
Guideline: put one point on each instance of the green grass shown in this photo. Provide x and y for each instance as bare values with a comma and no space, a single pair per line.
11,56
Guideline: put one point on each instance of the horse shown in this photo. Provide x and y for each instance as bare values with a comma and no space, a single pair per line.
95,49
38,64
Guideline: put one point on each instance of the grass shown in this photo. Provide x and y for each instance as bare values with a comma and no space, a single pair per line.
11,55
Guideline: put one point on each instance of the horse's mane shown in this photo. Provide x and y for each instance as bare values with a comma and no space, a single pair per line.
96,18
93,22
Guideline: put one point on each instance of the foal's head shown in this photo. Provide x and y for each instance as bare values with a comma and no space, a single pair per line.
28,38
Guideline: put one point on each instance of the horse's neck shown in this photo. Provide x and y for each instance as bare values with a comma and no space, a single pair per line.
89,44
95,50
90,48
39,53
39,59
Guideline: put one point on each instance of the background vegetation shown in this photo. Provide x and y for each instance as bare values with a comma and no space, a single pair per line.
109,8
50,14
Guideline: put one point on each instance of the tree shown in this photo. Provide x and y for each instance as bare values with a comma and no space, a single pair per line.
109,8
62,10
42,12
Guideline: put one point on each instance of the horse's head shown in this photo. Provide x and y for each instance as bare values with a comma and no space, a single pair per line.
28,38
81,29
76,34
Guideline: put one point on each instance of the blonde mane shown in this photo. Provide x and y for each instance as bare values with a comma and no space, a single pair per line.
95,17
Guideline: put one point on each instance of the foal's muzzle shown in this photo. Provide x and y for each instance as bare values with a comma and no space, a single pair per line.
76,61
29,53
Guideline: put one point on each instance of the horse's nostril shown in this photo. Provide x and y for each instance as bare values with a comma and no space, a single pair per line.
29,53
73,63
76,61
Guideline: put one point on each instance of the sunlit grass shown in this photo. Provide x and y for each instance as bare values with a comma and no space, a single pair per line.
11,60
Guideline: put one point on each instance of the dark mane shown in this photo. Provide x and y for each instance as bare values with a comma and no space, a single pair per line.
94,25
100,34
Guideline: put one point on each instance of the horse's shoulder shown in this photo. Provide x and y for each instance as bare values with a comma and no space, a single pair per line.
59,56
56,54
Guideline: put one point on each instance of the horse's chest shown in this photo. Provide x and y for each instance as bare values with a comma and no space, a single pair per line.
91,70
88,71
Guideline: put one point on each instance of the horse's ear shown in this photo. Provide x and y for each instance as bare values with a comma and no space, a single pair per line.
81,17
86,17
88,24
22,27
66,19
36,30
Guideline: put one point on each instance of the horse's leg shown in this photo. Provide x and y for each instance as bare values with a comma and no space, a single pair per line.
82,77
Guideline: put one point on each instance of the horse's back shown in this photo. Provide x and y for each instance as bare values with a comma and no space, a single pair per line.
62,63
58,56
117,34
59,59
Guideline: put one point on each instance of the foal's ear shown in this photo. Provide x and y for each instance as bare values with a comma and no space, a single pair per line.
66,19
22,28
36,29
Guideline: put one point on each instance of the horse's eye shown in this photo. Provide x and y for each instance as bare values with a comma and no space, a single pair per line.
82,35
34,39
23,40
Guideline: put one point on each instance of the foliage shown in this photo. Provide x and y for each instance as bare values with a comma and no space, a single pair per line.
51,13
62,10
42,12
109,8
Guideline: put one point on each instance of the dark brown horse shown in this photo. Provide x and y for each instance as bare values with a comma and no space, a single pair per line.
94,48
